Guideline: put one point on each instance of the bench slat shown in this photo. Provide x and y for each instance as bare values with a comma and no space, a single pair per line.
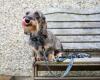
85,60
67,78
78,11
74,25
81,45
79,38
72,17
75,31
74,68
80,61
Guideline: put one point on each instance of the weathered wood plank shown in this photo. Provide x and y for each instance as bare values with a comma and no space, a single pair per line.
72,17
74,68
86,11
79,38
74,25
78,65
85,60
77,61
67,78
81,45
74,31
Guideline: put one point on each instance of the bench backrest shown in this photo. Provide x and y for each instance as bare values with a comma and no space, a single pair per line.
76,31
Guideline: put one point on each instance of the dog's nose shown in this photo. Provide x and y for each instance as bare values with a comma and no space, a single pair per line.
27,20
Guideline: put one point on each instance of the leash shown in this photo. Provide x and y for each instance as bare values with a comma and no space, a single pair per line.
46,62
68,69
61,59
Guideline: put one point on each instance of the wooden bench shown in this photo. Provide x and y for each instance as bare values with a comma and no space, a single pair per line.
78,33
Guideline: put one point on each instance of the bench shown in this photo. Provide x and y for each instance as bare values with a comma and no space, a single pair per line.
78,33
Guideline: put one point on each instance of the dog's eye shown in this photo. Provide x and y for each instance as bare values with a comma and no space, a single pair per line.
27,13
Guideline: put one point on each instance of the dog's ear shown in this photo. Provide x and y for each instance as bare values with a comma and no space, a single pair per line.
44,29
45,33
43,17
42,21
39,15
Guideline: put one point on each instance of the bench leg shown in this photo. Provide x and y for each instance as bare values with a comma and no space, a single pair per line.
35,71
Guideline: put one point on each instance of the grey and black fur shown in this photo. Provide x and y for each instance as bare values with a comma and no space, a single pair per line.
40,38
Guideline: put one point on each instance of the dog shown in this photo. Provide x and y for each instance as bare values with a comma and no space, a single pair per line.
35,26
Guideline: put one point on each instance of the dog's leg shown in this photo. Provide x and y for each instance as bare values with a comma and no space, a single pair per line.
37,55
51,56
50,52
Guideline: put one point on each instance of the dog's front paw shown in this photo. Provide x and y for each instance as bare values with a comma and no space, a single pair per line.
38,58
51,58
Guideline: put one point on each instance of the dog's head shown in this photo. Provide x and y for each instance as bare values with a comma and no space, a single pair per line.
33,21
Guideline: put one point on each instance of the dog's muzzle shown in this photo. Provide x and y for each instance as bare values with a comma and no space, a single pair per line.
26,21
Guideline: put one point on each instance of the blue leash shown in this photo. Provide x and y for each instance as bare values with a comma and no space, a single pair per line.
66,72
68,68
60,60
46,62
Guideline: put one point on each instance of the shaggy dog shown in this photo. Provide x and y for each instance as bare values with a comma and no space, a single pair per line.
35,26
